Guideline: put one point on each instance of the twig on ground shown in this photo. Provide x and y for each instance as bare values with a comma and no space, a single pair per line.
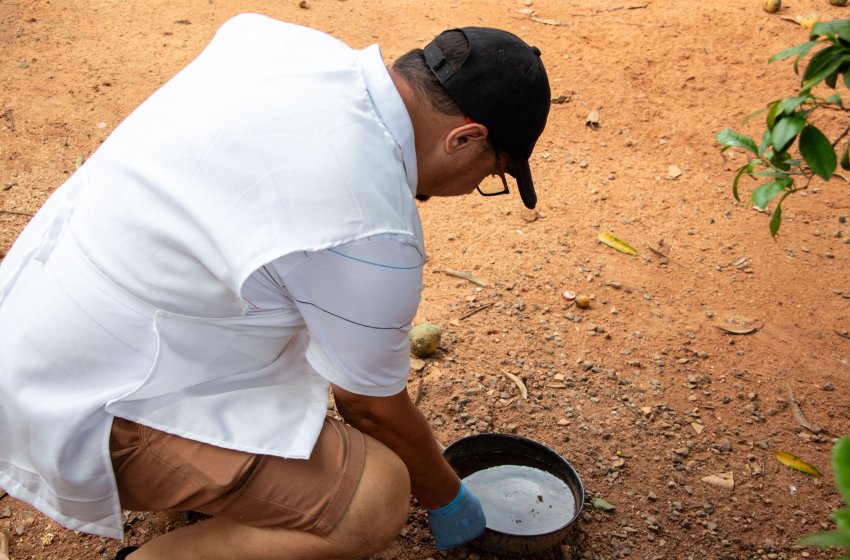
656,251
635,7
15,213
476,310
797,413
464,275
419,390
618,8
659,25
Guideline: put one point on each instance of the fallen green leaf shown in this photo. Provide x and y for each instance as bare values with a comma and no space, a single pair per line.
615,243
796,463
601,505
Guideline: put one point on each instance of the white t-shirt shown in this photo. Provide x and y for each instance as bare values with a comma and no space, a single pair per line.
361,295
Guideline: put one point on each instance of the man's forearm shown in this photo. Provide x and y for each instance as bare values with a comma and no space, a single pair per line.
397,423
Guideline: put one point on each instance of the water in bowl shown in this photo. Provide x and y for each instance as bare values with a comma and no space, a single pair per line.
522,500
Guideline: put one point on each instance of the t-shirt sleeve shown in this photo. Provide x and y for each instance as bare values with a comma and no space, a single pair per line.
358,301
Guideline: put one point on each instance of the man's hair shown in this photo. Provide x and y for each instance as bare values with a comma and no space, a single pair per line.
415,70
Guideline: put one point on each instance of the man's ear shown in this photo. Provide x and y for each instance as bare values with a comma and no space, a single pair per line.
465,136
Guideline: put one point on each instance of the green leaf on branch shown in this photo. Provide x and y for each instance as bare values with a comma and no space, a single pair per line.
765,142
753,114
832,79
823,64
765,193
729,138
845,159
834,99
841,466
748,169
776,219
799,51
828,538
788,105
781,161
785,131
840,28
818,152
842,518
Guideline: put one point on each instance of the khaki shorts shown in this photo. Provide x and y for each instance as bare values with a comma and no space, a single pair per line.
157,471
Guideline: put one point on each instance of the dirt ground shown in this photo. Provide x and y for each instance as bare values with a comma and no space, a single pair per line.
642,392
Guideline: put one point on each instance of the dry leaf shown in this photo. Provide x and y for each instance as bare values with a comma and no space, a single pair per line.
592,119
615,243
797,413
796,463
518,382
747,330
723,480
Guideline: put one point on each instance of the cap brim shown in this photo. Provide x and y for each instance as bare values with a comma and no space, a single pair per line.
522,173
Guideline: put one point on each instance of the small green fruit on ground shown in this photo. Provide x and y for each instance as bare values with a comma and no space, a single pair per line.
772,6
424,340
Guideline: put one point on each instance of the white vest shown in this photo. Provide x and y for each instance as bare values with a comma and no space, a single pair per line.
122,296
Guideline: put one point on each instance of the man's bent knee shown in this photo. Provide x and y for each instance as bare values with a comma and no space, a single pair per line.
380,505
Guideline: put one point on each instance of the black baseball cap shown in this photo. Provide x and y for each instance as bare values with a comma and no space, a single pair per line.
501,84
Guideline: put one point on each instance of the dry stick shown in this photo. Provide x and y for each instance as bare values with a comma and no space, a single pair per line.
656,251
419,390
464,275
15,213
637,7
659,25
11,118
476,310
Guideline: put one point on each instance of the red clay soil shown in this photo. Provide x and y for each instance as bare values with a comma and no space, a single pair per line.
644,392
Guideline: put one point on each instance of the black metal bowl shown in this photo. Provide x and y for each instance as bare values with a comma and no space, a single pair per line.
476,453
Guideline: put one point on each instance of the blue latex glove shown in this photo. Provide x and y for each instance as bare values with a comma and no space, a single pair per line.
458,522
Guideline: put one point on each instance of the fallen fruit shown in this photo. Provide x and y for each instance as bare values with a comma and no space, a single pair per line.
808,21
771,6
424,340
582,301
838,2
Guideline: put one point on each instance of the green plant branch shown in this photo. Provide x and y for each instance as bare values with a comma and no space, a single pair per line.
841,136
790,122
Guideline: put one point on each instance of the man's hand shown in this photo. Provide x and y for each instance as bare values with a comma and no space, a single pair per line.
458,522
